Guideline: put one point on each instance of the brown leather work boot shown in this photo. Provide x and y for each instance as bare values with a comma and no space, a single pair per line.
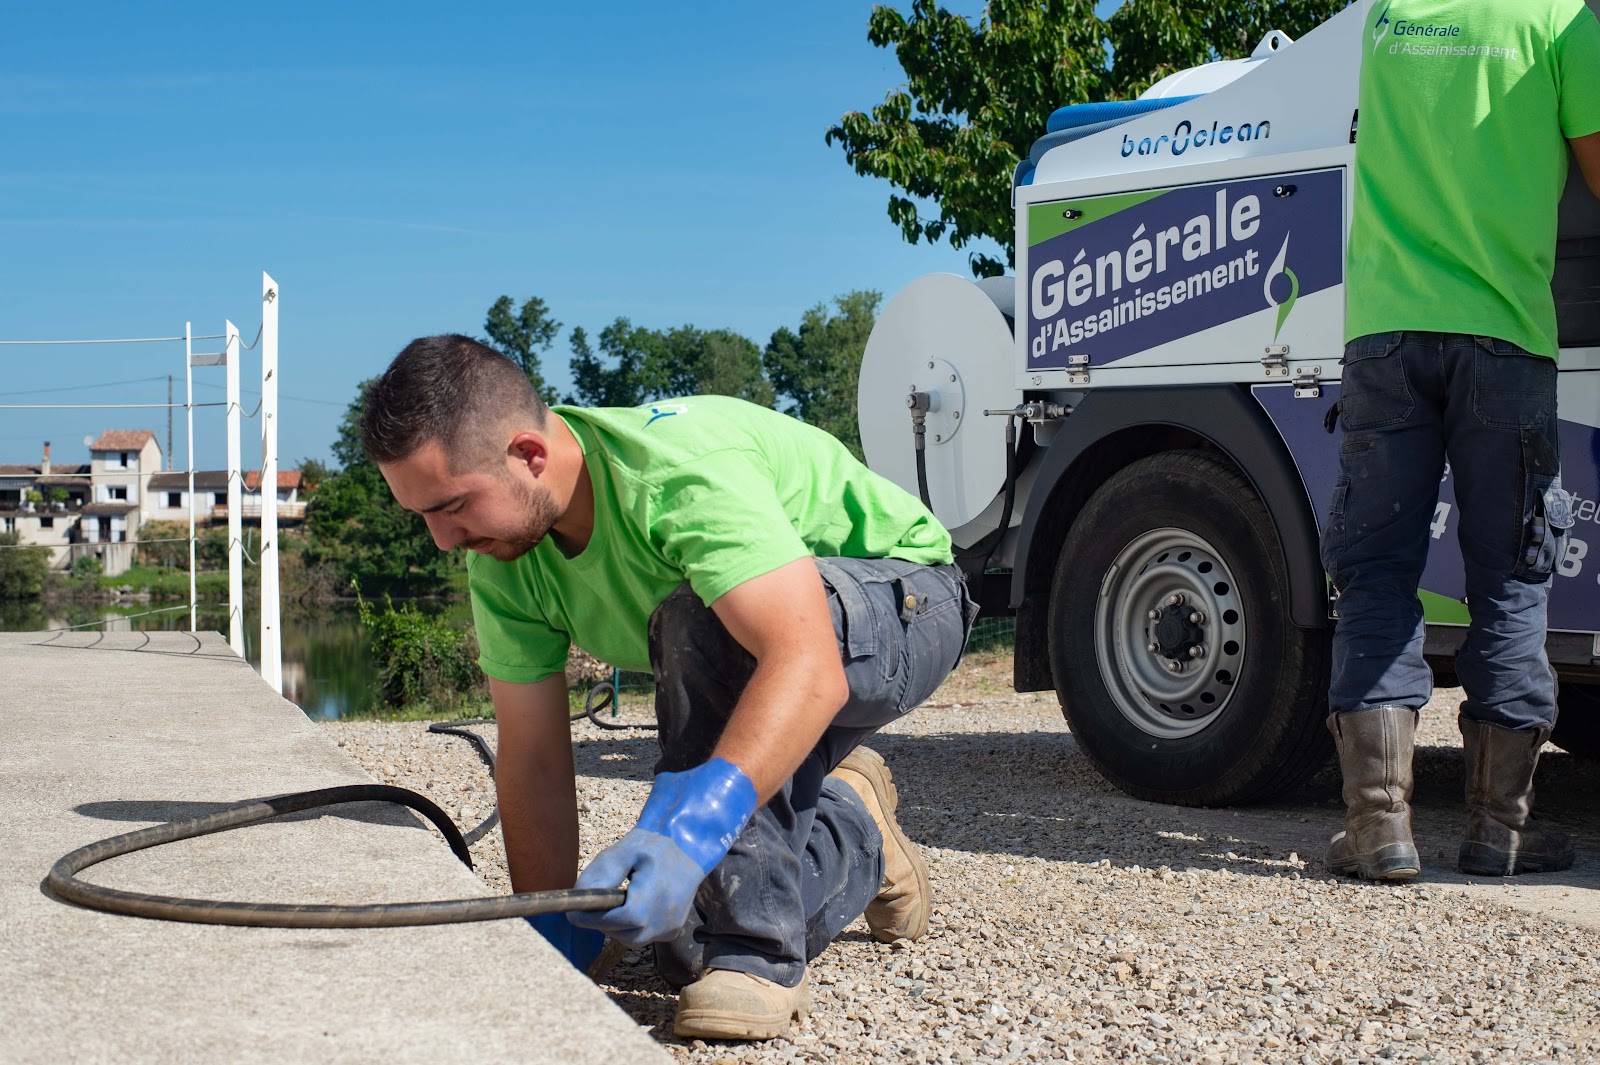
725,1004
1375,760
1502,839
901,909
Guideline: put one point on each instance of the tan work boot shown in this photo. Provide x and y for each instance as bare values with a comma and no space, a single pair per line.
725,1004
901,909
1375,759
1502,839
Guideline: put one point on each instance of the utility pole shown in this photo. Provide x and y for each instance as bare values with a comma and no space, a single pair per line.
169,422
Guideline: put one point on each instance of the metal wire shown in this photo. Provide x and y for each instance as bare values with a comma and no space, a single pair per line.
122,340
251,346
119,617
104,543
75,388
104,406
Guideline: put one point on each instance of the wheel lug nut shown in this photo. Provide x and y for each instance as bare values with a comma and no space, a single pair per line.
1176,667
1152,647
1197,650
1154,615
1175,599
1197,618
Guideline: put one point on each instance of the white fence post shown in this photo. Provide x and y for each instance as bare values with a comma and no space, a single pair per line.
235,499
188,409
271,635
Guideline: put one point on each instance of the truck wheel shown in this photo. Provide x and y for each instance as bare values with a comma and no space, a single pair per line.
1577,728
1177,667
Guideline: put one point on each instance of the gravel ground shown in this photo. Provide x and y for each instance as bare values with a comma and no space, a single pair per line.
1073,923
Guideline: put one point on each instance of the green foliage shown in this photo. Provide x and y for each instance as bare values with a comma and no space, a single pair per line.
164,543
979,94
87,568
635,365
59,495
609,378
357,532
420,659
22,569
172,583
818,368
522,334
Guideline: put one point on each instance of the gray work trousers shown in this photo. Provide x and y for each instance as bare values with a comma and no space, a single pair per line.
811,859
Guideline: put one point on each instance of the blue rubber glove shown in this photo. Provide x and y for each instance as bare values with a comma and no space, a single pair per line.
580,946
685,829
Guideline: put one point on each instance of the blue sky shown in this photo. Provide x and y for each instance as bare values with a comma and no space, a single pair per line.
396,168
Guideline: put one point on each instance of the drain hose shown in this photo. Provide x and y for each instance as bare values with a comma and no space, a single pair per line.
62,880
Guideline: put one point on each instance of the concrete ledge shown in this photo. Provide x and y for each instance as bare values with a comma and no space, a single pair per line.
105,733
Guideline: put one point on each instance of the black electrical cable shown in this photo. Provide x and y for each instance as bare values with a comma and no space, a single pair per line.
62,879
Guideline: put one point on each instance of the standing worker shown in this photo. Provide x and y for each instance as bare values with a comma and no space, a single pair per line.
1467,108
789,601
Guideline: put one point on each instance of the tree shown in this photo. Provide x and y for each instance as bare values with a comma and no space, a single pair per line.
355,527
979,94
817,369
611,377
687,361
635,365
521,335
22,569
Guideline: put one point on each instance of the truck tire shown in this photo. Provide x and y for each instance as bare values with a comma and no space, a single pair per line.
1577,728
1174,658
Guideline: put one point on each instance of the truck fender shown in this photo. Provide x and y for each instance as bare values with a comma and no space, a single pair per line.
1112,427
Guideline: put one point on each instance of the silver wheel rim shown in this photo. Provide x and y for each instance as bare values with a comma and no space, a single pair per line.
1165,681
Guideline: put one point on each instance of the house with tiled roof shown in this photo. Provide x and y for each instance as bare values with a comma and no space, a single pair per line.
43,504
99,509
169,496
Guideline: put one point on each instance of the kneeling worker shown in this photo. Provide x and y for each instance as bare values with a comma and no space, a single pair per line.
789,601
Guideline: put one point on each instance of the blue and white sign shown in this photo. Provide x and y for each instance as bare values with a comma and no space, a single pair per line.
1113,276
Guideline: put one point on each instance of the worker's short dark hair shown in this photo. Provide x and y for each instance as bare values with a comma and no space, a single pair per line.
452,389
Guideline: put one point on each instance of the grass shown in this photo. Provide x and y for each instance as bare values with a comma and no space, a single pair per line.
165,582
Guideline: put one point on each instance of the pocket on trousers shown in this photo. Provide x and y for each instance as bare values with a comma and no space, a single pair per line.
1373,391
1333,530
935,623
1546,511
1511,389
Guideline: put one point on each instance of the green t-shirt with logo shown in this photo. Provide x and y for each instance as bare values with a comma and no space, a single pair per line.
1466,106
710,490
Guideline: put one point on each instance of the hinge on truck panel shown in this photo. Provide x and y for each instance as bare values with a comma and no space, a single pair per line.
1077,369
1276,361
1306,385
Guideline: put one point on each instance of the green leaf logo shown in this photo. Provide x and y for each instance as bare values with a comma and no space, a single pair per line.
1278,268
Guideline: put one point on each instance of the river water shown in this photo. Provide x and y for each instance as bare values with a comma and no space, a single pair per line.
327,669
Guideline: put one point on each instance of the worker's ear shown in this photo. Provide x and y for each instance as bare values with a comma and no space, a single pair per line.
531,450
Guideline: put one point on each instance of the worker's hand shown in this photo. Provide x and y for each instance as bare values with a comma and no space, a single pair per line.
687,826
580,946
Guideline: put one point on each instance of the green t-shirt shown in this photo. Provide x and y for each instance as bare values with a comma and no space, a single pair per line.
709,490
1466,106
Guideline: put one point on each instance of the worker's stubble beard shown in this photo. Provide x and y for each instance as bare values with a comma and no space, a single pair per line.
539,516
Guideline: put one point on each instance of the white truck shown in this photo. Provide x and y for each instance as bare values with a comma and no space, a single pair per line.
1131,439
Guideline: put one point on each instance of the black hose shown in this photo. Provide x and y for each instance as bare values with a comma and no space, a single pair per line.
453,728
600,697
922,474
62,879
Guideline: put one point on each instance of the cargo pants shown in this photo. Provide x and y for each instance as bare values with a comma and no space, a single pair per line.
1408,401
811,859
